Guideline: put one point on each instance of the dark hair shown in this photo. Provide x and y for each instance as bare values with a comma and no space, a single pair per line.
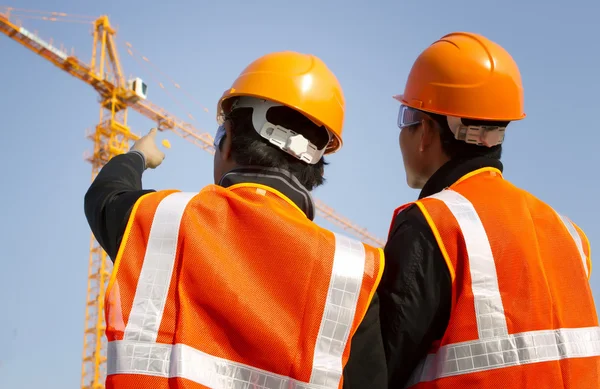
250,149
456,149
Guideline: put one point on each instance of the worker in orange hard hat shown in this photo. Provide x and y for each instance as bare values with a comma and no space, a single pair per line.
236,285
485,285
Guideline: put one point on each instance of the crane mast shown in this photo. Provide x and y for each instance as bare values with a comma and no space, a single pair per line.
112,136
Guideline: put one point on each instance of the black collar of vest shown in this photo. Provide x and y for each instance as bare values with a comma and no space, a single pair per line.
453,170
278,179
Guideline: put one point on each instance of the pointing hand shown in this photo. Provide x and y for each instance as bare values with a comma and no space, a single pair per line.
147,146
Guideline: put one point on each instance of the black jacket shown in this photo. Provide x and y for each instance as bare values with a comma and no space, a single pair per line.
108,204
416,289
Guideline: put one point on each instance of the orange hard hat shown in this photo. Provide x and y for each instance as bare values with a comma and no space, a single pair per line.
300,81
468,76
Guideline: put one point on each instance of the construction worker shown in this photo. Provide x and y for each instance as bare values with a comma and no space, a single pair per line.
236,286
485,286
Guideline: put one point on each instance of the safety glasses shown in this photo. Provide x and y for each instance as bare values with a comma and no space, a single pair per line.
219,136
408,116
480,135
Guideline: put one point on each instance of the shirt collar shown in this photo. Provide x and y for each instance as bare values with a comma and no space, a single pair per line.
278,179
453,170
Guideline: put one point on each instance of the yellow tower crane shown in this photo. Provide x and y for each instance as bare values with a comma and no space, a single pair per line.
111,137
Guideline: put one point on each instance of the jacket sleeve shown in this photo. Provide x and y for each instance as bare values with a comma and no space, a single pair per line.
415,295
110,198
366,367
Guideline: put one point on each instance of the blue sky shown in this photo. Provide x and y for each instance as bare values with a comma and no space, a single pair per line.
203,46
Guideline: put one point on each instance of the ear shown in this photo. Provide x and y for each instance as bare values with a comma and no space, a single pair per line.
226,142
428,134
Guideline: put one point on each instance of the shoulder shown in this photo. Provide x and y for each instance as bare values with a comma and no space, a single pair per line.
413,257
409,219
411,243
409,233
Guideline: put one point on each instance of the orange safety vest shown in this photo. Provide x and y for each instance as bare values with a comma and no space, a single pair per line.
522,313
233,287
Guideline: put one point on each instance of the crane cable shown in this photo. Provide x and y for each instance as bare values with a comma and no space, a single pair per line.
135,52
161,85
49,16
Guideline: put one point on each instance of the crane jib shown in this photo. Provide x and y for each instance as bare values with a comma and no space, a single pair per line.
60,54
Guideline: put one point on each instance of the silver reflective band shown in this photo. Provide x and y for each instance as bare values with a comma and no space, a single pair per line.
155,277
571,228
340,308
489,310
508,350
495,348
170,361
139,353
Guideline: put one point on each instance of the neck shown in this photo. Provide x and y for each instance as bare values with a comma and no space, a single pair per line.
435,163
279,179
453,170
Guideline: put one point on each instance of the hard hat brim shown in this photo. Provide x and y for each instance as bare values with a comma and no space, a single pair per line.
400,98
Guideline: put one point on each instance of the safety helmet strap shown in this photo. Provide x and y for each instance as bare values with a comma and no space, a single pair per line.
285,139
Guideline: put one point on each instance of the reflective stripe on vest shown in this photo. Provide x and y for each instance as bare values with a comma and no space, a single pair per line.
495,347
573,231
139,353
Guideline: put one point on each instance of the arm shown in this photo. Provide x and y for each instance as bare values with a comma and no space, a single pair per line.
110,198
366,366
415,295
